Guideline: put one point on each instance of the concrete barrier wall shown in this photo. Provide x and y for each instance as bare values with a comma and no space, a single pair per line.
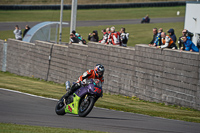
166,76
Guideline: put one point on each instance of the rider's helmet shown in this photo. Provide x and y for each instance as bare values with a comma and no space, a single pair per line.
99,70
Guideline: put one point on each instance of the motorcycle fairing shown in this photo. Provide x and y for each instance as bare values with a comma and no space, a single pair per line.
73,107
91,88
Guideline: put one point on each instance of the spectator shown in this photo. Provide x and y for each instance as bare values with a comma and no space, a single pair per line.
18,33
93,36
27,28
155,32
73,39
198,42
108,30
158,41
189,45
114,37
81,40
105,36
172,35
185,33
167,42
124,37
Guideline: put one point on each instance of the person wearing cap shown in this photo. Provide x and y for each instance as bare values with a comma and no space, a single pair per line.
93,37
189,45
172,35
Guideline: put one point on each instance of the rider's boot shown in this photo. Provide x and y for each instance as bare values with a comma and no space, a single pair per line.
67,84
72,90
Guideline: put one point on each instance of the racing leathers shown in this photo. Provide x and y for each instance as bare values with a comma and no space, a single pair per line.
105,37
90,74
115,38
124,39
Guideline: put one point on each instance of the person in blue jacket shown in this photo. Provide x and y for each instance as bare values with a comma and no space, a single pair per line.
189,45
158,41
172,35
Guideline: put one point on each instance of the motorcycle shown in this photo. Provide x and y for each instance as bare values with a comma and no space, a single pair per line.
82,100
145,20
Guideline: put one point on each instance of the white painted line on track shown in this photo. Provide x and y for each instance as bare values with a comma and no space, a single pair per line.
43,97
29,94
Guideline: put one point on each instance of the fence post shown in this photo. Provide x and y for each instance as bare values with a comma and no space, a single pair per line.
4,56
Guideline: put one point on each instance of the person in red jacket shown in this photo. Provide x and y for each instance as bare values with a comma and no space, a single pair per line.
96,73
114,37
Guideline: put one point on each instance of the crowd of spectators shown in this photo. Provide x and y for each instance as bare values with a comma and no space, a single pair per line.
110,36
113,37
162,40
18,32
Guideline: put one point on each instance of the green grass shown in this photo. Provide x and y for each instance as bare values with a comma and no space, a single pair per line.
15,128
53,2
92,14
115,102
139,33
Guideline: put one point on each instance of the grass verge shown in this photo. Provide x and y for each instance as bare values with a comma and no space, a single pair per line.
82,2
14,128
90,14
115,102
139,33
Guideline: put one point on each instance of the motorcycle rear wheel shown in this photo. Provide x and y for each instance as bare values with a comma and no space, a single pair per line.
86,106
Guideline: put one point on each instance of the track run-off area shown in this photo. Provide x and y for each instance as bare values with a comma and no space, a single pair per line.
26,109
9,25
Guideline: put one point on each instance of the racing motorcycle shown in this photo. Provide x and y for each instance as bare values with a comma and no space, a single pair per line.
82,100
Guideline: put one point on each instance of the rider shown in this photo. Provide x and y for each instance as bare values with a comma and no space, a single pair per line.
114,37
97,73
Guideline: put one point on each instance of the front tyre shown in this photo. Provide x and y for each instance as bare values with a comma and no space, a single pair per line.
86,106
60,107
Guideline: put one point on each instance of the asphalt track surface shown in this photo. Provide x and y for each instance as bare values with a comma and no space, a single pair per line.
11,25
20,108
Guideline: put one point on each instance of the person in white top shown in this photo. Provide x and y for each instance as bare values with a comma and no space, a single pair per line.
18,33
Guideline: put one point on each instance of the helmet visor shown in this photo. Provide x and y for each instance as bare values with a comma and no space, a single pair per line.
100,73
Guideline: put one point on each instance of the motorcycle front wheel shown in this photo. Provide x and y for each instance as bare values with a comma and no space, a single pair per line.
86,106
60,107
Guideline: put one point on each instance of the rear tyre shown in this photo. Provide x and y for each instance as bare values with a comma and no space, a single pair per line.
86,106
